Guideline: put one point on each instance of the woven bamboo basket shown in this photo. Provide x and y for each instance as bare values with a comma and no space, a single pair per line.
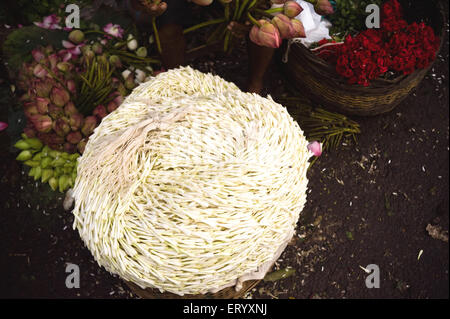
319,81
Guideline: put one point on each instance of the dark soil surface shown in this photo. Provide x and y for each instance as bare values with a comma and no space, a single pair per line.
369,203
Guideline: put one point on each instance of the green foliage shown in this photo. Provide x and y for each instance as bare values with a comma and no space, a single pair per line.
19,44
350,16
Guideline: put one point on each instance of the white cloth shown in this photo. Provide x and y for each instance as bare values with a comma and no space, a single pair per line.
316,27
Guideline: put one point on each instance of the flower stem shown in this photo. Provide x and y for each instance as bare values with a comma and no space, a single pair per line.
155,31
253,20
241,9
203,24
263,13
274,10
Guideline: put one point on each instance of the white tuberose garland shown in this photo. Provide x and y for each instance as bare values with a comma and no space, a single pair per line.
191,185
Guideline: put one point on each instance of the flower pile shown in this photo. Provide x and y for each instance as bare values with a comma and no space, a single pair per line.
397,46
67,91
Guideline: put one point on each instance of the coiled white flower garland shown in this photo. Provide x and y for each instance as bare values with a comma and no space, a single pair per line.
191,184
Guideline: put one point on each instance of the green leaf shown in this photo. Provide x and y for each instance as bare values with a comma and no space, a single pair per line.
279,274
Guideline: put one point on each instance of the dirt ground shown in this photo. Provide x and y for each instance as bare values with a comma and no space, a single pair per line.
369,203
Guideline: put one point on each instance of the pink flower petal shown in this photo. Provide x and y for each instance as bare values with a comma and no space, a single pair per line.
315,148
67,44
3,126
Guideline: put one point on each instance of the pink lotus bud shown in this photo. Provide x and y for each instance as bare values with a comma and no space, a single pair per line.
3,126
323,7
55,112
74,137
75,121
81,146
111,106
100,111
315,148
42,104
76,36
202,2
254,33
39,71
70,84
70,109
292,9
299,29
284,25
43,88
69,148
269,35
118,100
30,109
53,58
38,55
61,126
42,123
59,96
89,125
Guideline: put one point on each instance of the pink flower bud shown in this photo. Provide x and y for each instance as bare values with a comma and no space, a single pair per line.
55,112
299,29
69,148
323,7
38,55
43,88
97,48
61,126
30,109
59,96
42,123
3,126
64,66
70,109
70,84
81,146
89,125
74,137
269,35
42,104
284,25
315,148
292,9
100,111
111,106
75,121
53,59
39,71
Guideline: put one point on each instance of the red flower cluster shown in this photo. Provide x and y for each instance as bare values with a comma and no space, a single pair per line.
396,46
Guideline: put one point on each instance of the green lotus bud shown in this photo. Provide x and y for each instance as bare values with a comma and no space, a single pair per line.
24,156
115,60
74,157
63,183
76,36
58,162
45,150
141,52
74,175
46,161
97,48
46,174
31,163
22,145
37,157
53,183
37,173
53,153
32,172
35,143
65,155
58,171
